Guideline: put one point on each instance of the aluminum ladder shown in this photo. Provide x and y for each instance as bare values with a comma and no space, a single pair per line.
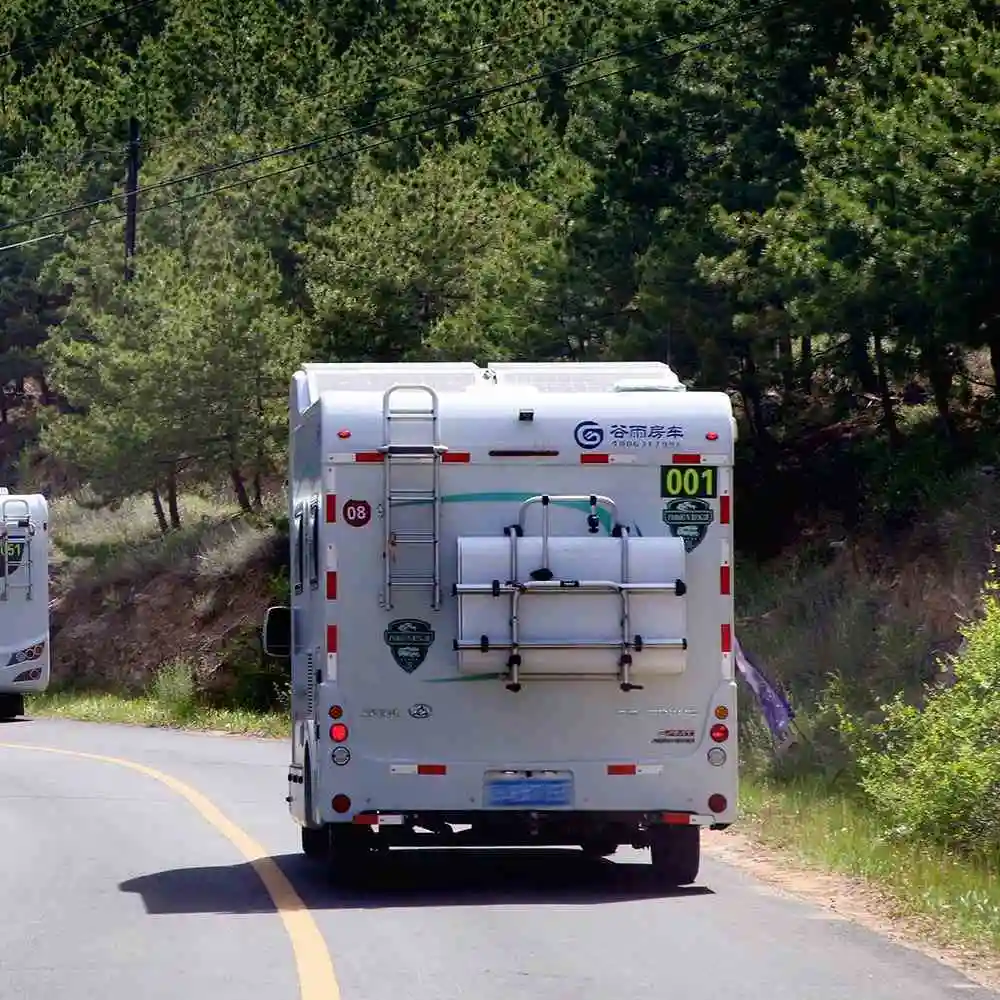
15,527
423,495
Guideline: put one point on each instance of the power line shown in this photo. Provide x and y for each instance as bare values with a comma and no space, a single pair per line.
73,29
360,149
375,123
302,99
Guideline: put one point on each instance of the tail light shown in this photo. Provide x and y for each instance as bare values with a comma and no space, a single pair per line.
719,733
338,732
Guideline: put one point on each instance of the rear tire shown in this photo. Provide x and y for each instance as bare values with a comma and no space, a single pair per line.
11,706
316,842
676,854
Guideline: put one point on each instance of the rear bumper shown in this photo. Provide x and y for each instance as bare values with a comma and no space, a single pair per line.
463,792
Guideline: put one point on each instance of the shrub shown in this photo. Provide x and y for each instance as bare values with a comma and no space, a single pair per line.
935,773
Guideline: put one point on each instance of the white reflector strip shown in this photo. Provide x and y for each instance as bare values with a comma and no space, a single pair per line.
649,769
402,768
331,558
331,666
341,458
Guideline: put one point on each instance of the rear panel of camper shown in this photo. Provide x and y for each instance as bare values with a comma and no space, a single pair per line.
24,594
411,705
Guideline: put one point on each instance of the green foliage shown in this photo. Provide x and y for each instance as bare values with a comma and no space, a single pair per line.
934,772
173,689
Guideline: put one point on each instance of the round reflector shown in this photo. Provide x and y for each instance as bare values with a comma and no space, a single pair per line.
341,803
336,711
717,803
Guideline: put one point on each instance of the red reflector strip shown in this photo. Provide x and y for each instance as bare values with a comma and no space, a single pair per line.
621,768
331,638
592,459
456,456
331,508
687,459
366,819
724,503
724,580
331,586
432,768
677,819
727,638
369,456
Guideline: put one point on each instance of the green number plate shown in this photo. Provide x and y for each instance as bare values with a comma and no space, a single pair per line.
694,481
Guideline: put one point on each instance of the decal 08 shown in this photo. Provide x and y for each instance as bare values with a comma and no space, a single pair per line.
357,513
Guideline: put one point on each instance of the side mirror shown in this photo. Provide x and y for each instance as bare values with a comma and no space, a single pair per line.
278,632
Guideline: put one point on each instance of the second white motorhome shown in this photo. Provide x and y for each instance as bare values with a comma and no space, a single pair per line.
24,599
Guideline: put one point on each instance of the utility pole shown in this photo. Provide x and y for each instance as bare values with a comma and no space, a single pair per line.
132,197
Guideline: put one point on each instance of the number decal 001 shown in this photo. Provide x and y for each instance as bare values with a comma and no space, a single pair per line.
691,481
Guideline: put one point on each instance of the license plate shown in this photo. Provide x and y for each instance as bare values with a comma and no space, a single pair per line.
529,793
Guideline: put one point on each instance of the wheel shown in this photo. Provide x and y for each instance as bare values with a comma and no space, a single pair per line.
676,853
11,706
315,842
598,848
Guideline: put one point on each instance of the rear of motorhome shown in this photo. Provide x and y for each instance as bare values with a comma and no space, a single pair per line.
511,619
24,599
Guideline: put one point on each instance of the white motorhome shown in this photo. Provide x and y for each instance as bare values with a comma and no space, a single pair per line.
24,599
511,619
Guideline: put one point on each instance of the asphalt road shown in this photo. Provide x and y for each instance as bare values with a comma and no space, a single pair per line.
115,884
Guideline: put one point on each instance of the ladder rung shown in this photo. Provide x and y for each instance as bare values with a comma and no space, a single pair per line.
413,581
411,414
413,538
413,449
400,495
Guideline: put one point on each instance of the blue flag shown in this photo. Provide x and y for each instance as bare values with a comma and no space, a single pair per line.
778,714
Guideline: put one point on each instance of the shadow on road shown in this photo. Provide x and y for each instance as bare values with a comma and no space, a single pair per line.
411,879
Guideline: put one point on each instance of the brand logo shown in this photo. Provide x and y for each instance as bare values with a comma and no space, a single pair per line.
588,435
421,711
409,640
14,552
688,520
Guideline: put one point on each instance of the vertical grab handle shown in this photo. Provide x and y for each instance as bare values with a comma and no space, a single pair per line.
544,572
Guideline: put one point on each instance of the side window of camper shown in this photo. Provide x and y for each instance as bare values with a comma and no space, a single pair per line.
298,549
314,544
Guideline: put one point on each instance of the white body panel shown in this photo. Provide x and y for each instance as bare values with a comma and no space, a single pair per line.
24,593
410,698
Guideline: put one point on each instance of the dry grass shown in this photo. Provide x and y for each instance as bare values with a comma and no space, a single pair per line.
953,901
129,598
124,545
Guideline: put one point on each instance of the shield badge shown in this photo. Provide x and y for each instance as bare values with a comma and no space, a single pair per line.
688,519
409,640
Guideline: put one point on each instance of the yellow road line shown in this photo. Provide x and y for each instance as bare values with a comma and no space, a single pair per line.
312,958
